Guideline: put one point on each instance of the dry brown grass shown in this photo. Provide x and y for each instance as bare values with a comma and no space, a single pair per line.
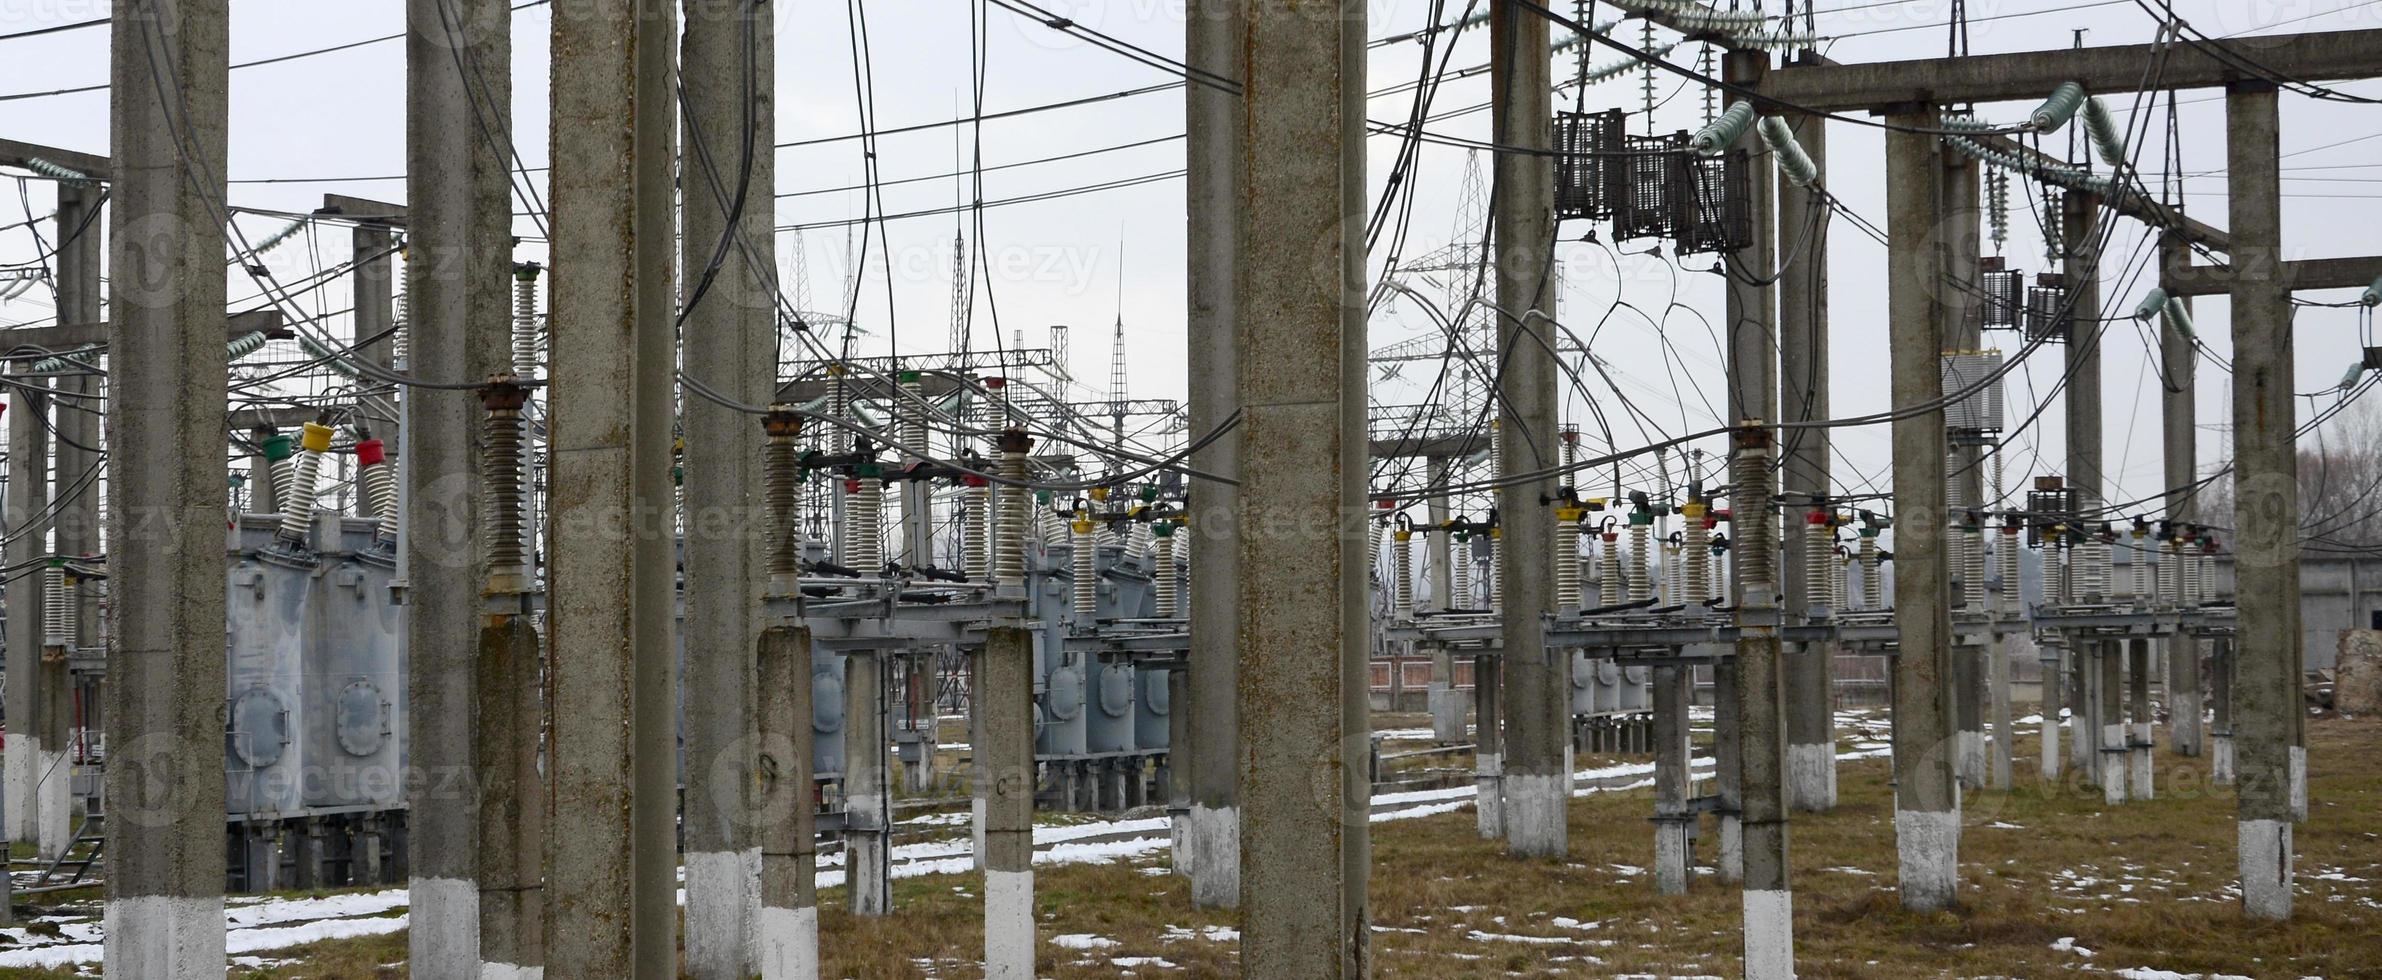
2144,885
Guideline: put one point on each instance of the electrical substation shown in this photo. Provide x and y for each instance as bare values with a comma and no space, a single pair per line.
518,564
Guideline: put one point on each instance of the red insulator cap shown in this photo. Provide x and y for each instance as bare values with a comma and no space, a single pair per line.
368,453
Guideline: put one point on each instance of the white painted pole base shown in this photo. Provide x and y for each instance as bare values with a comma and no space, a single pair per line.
1670,857
2265,869
2220,759
1535,815
976,828
2050,768
1769,935
169,937
1009,925
1215,839
2139,765
508,971
1732,848
723,897
1811,777
1928,845
789,943
1178,845
442,927
1489,804
53,800
2299,784
18,765
1448,709
1970,749
866,873
2113,764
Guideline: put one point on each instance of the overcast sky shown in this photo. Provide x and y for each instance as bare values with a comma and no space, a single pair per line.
1063,261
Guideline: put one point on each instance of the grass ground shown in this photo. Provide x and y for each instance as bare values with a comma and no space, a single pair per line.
2053,883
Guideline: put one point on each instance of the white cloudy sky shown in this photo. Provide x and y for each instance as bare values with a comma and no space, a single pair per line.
1062,261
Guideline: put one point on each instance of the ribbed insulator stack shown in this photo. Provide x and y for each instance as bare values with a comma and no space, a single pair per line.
2141,556
2057,570
1819,562
278,448
2200,578
1696,572
1718,560
1956,542
1459,569
525,320
1495,570
1972,573
297,505
379,480
864,522
1401,570
1162,575
1873,590
1841,583
398,341
57,606
500,463
2005,564
983,502
1009,522
1756,533
1567,559
1610,585
975,521
1050,528
2096,568
1641,579
1087,584
781,496
2171,572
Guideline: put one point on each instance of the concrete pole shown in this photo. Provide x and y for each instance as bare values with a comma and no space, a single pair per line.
1212,826
2109,715
2053,684
1006,689
166,420
1488,746
459,242
1926,799
730,344
2220,694
2179,414
512,925
2080,234
2084,733
28,523
1537,692
2271,754
1759,669
787,927
1297,203
1963,323
1674,823
2138,769
375,284
610,861
77,515
1803,397
868,802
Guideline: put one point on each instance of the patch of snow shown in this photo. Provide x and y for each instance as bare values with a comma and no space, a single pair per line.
1083,940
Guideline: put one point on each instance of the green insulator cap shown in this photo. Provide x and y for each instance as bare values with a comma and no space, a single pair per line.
1149,494
278,447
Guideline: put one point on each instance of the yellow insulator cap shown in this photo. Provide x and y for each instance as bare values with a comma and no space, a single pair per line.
1100,494
1401,535
1082,526
1693,509
316,438
1569,513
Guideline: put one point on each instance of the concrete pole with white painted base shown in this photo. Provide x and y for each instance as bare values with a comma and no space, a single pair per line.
730,345
166,420
1804,214
508,710
458,55
2266,685
786,930
868,810
1537,679
2053,684
2179,413
1298,274
1673,821
610,858
2138,742
1488,747
28,547
2109,712
1448,703
1926,799
2220,695
79,285
1212,827
1004,700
